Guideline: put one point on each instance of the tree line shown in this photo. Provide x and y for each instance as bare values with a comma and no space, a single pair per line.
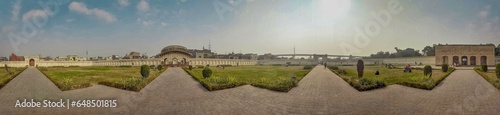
410,52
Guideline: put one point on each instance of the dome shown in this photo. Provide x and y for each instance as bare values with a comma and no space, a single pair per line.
175,48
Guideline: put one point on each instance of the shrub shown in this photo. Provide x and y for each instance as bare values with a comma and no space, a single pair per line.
364,81
360,68
497,70
145,71
307,67
444,67
207,72
428,70
333,67
277,65
484,68
190,67
342,72
159,67
200,66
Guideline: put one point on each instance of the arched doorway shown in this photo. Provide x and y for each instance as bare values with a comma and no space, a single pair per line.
472,60
165,61
464,60
175,61
455,60
483,60
445,59
32,62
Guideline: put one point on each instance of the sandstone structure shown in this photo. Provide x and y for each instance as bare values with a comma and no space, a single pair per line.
465,54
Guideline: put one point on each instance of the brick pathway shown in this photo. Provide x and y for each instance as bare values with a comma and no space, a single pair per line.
320,92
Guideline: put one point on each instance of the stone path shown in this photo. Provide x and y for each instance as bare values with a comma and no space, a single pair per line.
320,92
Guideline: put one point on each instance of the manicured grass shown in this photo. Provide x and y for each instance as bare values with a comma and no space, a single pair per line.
489,76
5,77
392,76
277,78
128,78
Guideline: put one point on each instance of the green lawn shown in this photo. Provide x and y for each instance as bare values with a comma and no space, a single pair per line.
276,78
128,78
393,76
490,77
5,77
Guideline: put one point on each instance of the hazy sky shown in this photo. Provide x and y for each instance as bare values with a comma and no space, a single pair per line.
116,27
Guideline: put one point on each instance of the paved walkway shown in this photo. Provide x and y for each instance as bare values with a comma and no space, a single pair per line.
320,92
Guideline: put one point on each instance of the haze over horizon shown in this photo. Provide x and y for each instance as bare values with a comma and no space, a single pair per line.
117,27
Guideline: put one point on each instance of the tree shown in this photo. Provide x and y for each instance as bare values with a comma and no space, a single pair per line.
429,51
497,50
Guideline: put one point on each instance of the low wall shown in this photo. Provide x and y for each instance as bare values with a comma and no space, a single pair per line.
425,60
132,62
214,62
292,61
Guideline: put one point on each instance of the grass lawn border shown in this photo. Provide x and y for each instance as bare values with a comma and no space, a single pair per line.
138,87
228,86
487,78
3,83
354,82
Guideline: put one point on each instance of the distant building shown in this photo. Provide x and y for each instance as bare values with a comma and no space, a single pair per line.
266,56
132,55
70,58
204,53
4,59
233,55
14,57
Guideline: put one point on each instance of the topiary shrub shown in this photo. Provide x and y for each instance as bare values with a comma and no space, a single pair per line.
159,67
484,68
207,72
360,68
190,67
145,71
444,67
497,70
428,70
307,67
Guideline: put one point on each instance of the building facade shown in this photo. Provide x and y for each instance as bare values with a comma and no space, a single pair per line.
465,54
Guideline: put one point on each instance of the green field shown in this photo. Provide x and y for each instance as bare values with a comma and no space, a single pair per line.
128,78
392,76
490,77
277,78
6,77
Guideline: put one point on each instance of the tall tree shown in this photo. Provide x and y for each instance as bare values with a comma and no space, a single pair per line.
429,51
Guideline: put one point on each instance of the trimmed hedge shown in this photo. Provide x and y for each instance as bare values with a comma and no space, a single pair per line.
307,67
484,68
145,71
207,72
444,67
497,70
428,70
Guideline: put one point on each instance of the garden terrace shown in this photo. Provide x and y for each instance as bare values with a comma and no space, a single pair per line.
128,78
277,78
387,76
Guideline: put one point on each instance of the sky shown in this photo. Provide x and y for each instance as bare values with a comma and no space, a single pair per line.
343,27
